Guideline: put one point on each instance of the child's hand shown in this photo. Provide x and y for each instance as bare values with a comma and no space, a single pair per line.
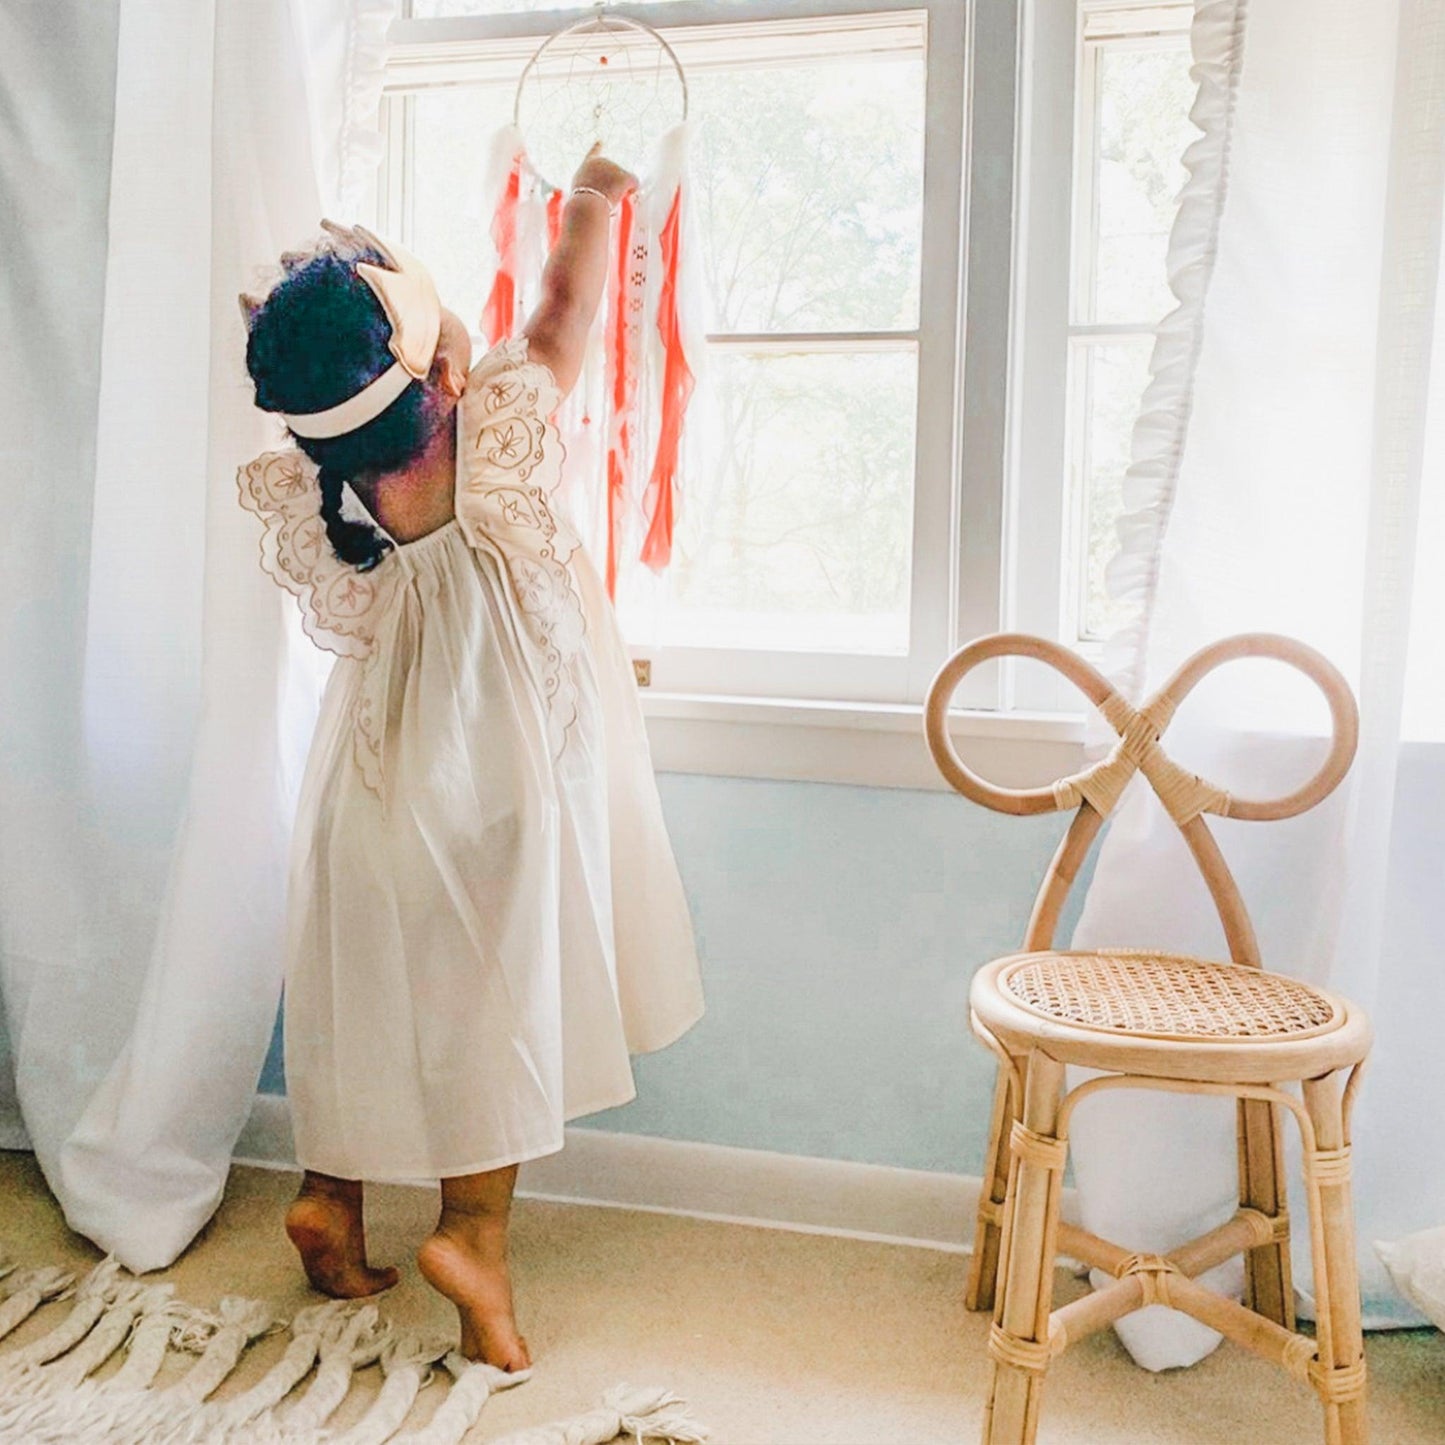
606,176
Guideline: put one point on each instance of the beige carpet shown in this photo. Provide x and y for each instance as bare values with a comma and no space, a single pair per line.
774,1338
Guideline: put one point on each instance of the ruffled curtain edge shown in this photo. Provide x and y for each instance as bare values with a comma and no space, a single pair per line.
362,143
1162,427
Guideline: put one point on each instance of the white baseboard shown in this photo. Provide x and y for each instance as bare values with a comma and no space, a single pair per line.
714,1181
753,1186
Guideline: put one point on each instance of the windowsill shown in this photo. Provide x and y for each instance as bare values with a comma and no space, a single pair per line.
865,744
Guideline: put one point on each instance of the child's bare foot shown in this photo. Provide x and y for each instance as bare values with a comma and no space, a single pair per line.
466,1260
324,1223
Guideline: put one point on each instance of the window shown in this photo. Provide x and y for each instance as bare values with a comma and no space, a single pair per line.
814,553
917,428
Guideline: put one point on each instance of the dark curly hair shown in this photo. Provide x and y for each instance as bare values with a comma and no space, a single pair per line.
319,337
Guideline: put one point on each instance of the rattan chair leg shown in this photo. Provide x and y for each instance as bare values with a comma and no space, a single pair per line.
987,1236
1268,1285
1019,1340
1339,1375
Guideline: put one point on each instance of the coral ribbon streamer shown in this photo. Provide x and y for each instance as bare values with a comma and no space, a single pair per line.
499,321
619,447
499,315
677,384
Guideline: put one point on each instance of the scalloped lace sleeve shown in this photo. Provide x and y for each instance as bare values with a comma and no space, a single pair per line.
340,607
509,459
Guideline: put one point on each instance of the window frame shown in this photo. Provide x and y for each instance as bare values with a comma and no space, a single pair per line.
992,404
955,571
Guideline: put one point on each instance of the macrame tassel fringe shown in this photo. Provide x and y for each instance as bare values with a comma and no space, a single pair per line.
636,1415
406,1362
359,1344
110,1333
121,1413
95,1295
28,1290
237,1322
146,1352
49,1393
310,1329
475,1385
24,1383
54,1400
58,1402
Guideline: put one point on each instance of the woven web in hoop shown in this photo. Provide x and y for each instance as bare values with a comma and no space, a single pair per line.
1160,994
598,83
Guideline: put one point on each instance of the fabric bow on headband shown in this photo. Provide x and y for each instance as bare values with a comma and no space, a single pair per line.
408,295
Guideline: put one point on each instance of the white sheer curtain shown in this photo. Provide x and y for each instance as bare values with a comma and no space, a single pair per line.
1288,453
153,694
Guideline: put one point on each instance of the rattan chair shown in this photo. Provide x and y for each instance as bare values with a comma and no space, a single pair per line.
1160,1021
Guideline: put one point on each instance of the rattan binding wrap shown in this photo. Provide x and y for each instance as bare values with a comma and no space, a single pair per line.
1168,996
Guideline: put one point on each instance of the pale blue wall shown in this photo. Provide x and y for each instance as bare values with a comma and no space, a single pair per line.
838,927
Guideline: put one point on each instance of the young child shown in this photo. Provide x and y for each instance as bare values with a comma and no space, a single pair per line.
485,918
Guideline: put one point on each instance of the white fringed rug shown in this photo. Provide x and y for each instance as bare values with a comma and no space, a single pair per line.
48,1395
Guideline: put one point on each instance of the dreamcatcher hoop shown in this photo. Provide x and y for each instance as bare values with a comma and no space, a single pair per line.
598,27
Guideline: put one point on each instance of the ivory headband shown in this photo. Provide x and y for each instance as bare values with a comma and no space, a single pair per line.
353,413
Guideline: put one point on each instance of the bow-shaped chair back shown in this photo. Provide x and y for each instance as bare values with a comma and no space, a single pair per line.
1185,796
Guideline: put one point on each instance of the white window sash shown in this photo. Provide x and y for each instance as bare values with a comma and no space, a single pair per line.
956,569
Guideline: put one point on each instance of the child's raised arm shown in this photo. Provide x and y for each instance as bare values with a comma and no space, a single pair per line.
576,270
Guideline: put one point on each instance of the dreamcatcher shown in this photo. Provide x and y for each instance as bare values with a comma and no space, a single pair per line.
615,80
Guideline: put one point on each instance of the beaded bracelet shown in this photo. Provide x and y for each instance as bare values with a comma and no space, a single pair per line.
593,191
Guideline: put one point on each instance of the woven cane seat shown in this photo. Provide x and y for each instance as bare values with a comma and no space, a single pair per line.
1166,996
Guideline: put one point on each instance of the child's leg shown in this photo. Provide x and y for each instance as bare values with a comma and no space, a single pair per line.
466,1260
324,1223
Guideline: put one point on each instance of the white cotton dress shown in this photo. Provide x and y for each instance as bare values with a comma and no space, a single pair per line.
484,915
